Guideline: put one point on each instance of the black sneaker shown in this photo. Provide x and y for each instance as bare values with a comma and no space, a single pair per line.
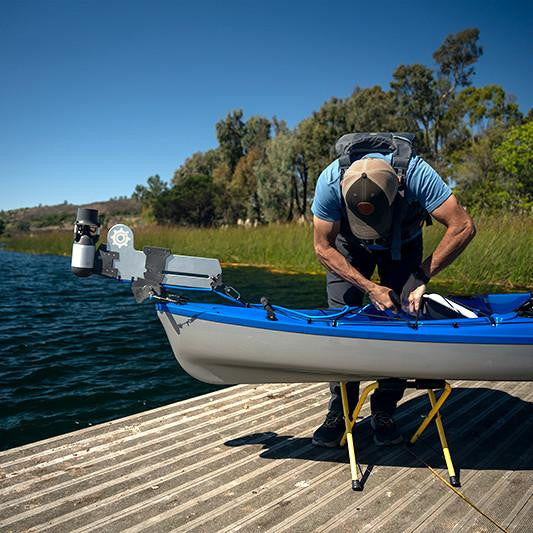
330,433
385,431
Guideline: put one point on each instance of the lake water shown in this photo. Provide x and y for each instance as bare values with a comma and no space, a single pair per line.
75,352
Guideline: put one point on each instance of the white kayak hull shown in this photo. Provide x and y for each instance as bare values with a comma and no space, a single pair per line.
222,353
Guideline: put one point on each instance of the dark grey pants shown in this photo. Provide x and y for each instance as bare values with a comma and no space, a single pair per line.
392,274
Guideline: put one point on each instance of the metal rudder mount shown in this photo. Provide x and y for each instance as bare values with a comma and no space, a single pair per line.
152,270
430,385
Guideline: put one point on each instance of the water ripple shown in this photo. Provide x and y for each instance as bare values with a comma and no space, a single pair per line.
76,352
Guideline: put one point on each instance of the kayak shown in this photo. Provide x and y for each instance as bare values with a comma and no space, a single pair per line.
226,344
481,338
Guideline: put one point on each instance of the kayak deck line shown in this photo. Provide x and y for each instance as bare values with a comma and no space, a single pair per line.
263,474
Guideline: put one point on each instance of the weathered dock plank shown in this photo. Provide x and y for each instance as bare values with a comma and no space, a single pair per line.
241,459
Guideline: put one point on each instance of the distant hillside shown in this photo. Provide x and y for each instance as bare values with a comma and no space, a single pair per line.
62,216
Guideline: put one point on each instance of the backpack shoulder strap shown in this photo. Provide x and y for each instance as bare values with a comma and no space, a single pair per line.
344,162
403,153
399,208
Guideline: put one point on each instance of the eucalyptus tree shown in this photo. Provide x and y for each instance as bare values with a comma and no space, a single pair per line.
244,184
256,134
429,97
230,133
148,194
373,109
488,106
417,98
276,179
199,163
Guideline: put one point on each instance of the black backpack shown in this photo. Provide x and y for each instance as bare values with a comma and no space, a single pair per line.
353,146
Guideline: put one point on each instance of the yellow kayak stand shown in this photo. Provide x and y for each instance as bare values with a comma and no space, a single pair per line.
434,413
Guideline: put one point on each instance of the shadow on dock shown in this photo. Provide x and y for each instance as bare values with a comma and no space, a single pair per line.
486,429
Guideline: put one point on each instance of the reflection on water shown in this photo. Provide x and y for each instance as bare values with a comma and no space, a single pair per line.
75,352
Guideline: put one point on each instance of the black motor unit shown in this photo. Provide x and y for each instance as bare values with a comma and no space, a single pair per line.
86,235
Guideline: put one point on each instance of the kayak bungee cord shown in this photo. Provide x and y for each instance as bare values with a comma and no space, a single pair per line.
346,310
326,316
226,294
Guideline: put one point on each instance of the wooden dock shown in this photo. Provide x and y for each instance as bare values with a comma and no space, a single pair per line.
241,459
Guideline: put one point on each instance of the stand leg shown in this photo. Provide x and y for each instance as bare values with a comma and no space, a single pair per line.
356,484
349,424
454,482
362,399
434,413
445,393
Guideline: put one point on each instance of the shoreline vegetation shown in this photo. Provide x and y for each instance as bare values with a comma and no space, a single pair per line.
499,259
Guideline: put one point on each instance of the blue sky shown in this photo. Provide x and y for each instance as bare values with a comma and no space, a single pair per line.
98,95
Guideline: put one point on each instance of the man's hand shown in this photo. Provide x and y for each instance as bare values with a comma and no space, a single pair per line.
383,298
412,293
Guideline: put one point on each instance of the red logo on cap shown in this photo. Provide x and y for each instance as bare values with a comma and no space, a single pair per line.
365,208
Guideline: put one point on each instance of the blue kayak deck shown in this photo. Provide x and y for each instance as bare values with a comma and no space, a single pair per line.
241,459
504,327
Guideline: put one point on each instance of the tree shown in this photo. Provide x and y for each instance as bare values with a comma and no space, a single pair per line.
316,137
148,195
455,58
265,171
456,55
474,112
200,163
222,178
242,190
430,98
192,202
276,179
479,186
515,157
496,172
230,133
488,106
279,126
256,135
417,98
374,109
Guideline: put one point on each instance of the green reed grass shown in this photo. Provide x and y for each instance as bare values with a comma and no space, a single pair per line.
501,255
499,258
41,242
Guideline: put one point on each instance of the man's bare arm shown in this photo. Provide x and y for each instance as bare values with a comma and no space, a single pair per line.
460,230
324,240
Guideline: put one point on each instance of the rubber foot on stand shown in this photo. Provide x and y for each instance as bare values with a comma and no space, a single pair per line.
454,482
356,485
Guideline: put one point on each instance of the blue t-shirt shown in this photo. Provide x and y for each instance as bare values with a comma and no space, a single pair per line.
422,184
